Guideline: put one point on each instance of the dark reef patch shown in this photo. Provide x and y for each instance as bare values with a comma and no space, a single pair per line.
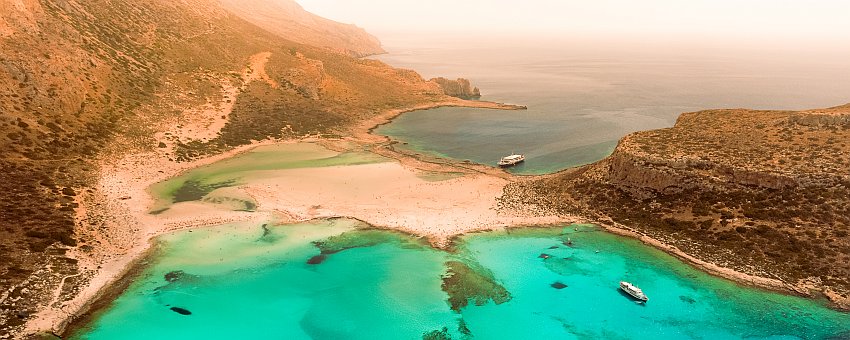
181,311
174,276
318,259
357,239
463,328
194,190
464,283
442,334
558,285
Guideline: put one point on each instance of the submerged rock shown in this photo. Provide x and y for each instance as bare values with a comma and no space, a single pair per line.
174,276
357,239
181,311
317,259
462,328
464,283
437,335
544,256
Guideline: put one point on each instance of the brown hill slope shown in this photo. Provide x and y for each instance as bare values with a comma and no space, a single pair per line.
763,192
289,20
85,80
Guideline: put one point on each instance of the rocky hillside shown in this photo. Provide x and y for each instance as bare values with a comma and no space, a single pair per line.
289,20
763,192
86,81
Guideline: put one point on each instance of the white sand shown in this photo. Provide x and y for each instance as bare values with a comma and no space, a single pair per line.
385,195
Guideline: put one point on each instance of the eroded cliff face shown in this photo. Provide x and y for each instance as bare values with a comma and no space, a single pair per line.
762,149
644,176
762,192
460,88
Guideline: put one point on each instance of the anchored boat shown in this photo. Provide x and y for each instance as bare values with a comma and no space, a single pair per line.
511,160
633,290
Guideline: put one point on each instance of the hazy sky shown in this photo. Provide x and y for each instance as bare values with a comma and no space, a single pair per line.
776,20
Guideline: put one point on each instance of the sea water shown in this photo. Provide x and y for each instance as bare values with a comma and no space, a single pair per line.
262,281
584,95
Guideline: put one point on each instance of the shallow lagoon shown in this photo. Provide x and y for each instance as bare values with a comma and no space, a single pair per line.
246,281
203,182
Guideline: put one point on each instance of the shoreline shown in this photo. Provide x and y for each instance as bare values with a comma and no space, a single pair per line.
122,266
127,191
385,145
833,300
108,293
745,279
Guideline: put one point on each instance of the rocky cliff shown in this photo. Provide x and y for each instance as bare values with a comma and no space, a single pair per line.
763,192
460,88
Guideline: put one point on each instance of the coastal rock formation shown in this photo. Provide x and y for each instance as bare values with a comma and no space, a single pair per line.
181,311
766,193
460,88
463,284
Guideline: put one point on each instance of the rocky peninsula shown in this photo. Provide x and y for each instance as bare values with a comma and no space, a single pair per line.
766,193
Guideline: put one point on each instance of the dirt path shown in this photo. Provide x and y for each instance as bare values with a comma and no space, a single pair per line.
206,121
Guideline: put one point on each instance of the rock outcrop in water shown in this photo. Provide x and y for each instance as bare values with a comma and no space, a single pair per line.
763,192
181,311
460,88
464,283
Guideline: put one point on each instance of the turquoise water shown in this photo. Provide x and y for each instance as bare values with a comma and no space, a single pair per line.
335,280
583,96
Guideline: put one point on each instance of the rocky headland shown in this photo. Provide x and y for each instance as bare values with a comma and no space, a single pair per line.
765,193
460,88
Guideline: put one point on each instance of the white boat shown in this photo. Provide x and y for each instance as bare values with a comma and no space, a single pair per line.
511,160
633,291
